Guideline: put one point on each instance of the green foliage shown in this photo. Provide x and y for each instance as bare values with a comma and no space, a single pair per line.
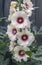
2,61
38,55
3,45
29,53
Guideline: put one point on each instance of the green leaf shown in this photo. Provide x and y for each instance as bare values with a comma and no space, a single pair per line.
29,53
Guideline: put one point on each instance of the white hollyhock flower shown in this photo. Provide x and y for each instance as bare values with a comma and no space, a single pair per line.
28,4
12,32
13,3
20,19
12,45
19,53
25,38
12,9
11,12
28,7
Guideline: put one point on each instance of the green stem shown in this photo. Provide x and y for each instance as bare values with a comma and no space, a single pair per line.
19,5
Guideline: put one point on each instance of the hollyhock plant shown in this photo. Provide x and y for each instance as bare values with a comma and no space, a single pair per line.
20,21
18,45
19,31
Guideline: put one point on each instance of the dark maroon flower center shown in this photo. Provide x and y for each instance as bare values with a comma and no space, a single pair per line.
21,53
14,31
24,37
26,5
20,20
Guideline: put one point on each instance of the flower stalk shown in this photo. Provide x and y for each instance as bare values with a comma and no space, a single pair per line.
19,5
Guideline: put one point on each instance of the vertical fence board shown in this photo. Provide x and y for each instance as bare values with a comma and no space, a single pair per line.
6,7
39,13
